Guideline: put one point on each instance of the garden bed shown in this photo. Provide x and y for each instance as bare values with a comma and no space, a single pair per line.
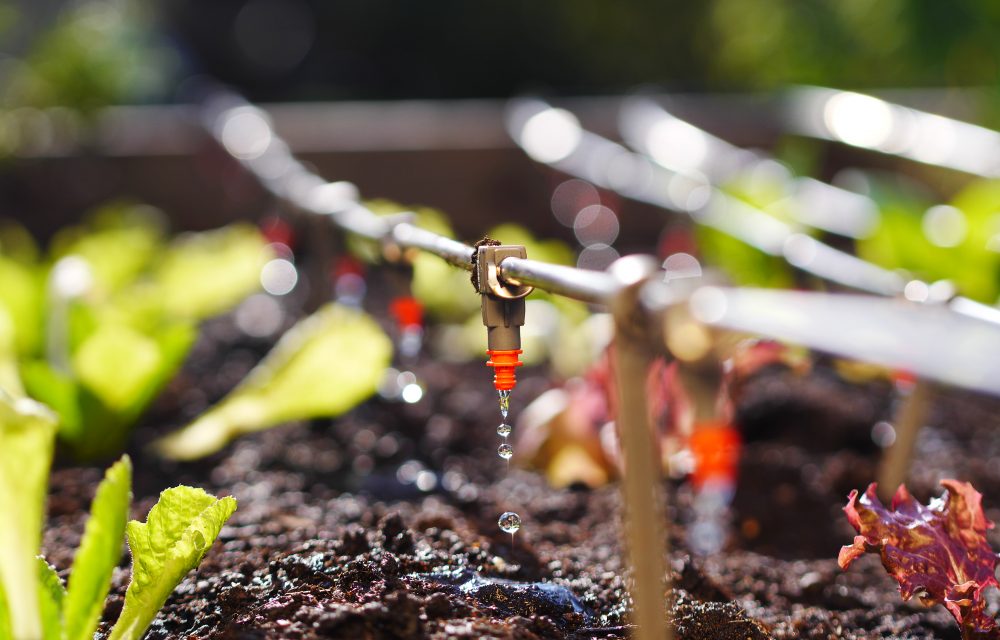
338,535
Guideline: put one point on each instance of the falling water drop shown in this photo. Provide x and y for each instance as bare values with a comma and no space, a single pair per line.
504,403
504,430
505,451
509,522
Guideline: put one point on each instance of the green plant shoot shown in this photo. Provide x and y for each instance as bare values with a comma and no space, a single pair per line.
34,604
27,436
324,366
99,552
177,533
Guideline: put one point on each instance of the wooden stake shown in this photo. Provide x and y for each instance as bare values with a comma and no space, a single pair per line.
646,540
910,416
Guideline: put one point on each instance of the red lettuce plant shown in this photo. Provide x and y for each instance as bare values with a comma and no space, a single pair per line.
937,551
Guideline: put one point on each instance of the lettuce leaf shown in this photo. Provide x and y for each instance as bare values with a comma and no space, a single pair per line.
323,366
99,552
937,552
27,436
5,631
177,533
51,594
189,282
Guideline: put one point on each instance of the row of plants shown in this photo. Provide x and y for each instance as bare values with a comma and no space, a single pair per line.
91,331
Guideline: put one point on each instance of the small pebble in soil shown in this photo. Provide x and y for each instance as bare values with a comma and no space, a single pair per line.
509,522
505,451
504,430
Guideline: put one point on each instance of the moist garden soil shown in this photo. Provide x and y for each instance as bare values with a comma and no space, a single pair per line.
383,523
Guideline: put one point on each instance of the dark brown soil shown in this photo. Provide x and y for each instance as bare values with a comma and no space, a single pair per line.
332,540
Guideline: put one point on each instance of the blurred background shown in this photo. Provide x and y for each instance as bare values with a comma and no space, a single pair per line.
85,53
342,79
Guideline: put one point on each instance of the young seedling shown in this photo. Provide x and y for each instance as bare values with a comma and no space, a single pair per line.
937,552
34,604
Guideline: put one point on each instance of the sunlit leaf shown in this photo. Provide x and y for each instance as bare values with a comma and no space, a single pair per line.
99,552
5,631
51,596
27,435
21,296
116,364
177,533
204,274
118,243
937,552
58,391
324,366
10,379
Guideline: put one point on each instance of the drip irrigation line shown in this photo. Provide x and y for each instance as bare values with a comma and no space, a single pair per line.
245,131
868,122
612,166
633,286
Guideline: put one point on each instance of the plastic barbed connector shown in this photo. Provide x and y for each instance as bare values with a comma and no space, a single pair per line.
505,363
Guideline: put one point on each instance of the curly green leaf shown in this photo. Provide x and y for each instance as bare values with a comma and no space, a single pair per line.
177,533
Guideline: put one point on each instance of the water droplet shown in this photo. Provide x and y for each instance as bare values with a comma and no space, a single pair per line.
509,522
504,430
505,451
504,403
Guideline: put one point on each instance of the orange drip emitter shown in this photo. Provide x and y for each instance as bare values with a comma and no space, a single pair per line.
505,364
715,446
503,310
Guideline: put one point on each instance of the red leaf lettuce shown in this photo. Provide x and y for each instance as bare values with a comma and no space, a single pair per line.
937,552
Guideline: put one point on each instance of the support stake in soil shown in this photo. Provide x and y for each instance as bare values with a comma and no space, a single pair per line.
646,540
909,417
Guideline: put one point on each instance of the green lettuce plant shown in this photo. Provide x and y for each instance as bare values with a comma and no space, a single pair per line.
323,366
107,320
34,603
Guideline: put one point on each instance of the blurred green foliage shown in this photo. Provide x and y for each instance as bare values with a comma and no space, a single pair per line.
97,327
905,238
88,55
744,264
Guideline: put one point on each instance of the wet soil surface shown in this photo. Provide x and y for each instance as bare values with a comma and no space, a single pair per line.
383,523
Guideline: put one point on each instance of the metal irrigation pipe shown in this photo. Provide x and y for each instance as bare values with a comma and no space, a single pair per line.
868,122
675,185
554,136
676,144
246,133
